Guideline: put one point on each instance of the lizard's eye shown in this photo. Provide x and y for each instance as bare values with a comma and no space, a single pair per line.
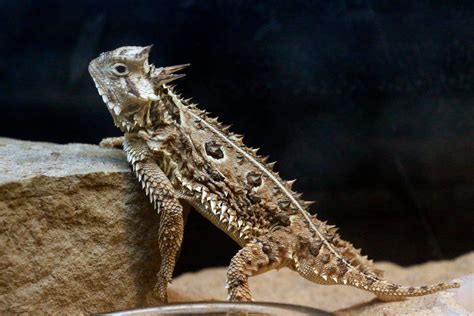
120,69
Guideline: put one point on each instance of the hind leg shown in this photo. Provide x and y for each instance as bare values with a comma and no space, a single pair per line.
247,262
266,253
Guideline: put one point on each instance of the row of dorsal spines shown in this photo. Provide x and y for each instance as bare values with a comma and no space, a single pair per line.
356,259
205,116
328,268
238,140
353,257
343,249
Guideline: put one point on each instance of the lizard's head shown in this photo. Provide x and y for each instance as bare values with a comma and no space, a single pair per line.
129,85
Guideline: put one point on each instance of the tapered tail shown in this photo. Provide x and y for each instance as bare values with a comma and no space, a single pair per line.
387,291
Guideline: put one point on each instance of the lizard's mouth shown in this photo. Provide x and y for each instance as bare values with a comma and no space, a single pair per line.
113,106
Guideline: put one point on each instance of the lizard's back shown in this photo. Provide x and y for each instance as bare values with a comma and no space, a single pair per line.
222,178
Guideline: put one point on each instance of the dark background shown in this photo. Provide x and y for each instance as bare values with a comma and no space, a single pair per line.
369,104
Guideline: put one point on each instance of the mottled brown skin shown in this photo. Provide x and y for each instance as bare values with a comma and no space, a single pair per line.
180,155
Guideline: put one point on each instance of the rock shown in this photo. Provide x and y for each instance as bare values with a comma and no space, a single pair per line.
285,286
77,234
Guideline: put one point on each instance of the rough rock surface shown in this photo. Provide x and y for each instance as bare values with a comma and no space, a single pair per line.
77,236
285,286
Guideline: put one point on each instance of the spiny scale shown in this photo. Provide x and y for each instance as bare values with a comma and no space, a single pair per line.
180,153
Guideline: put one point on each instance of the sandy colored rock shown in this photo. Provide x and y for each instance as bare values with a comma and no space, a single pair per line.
77,235
285,286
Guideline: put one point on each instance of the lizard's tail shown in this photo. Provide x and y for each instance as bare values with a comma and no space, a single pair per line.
348,267
334,261
332,274
387,291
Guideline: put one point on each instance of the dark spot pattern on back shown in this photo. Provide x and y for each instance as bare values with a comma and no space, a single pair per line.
254,179
284,204
214,150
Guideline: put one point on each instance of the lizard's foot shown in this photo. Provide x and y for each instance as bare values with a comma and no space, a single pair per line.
161,290
170,238
250,260
112,142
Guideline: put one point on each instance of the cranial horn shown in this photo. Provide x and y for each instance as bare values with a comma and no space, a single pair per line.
165,75
167,78
173,69
143,54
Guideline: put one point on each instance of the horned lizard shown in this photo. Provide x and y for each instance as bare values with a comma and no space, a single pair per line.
181,155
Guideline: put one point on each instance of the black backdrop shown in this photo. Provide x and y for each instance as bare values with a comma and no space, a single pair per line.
369,104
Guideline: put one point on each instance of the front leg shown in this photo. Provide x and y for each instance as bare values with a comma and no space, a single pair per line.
170,237
112,142
162,194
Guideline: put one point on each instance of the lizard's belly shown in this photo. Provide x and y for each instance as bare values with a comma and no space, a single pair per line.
206,198
220,209
240,237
